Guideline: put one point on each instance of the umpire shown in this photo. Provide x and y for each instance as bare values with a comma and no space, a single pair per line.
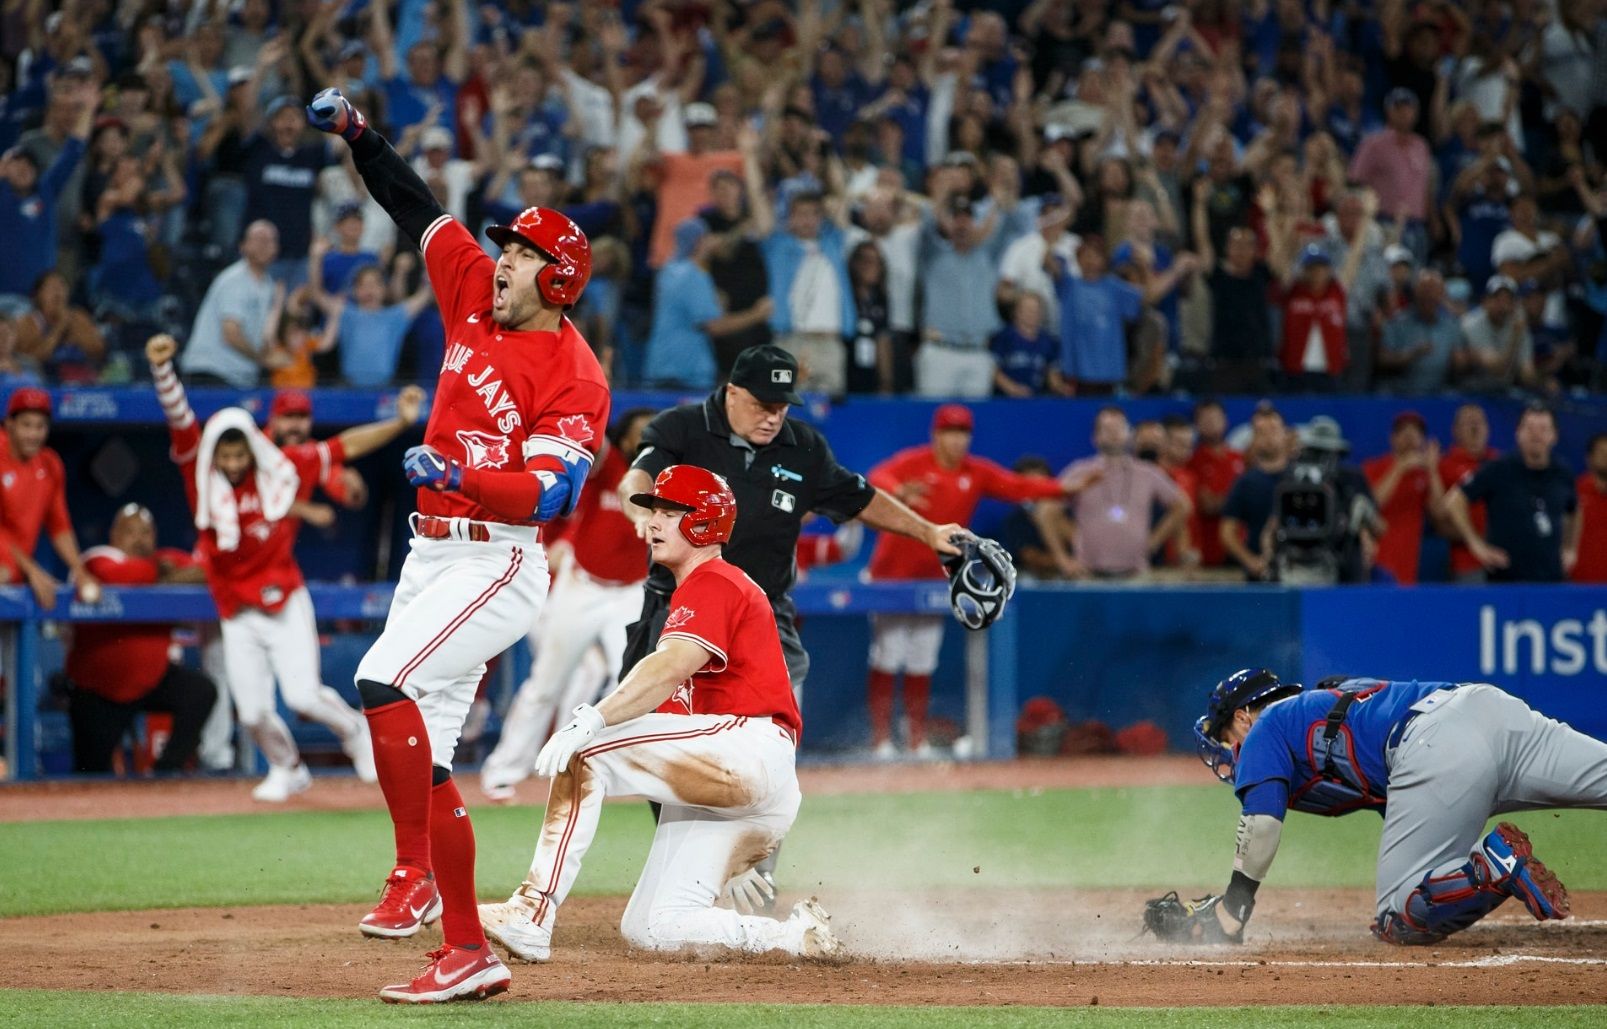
780,469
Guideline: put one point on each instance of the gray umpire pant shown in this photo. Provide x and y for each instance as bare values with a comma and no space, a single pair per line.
1479,753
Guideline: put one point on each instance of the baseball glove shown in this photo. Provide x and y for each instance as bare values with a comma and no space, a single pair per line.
981,579
1173,920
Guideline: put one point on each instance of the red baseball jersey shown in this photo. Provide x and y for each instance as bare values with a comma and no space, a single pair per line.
505,401
604,540
1189,483
1592,563
261,571
726,613
1401,546
951,495
122,662
1455,465
33,496
1215,469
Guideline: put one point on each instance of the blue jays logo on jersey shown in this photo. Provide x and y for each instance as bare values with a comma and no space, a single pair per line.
682,697
484,450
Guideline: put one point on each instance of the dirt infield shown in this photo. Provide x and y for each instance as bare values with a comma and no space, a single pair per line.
989,947
317,952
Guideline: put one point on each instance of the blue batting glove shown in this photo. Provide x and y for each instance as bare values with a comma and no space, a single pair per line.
427,468
333,113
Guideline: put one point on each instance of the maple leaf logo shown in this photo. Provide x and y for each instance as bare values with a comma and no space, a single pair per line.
484,450
679,617
575,429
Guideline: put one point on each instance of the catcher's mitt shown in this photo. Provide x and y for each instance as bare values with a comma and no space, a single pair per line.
1174,920
981,579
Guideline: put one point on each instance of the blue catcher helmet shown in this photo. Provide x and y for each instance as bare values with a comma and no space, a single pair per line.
1241,689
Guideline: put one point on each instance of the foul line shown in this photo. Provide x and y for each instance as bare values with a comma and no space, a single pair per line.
1491,961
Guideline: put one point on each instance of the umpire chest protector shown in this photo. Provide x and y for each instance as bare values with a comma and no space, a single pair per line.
1339,787
776,485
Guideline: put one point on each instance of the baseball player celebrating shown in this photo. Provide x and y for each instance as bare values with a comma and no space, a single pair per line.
600,582
943,482
1436,758
705,725
241,489
290,423
509,444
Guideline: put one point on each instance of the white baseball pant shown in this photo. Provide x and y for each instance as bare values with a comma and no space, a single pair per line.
584,614
458,604
259,647
730,793
905,643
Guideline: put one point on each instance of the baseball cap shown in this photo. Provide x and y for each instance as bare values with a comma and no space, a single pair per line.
688,233
348,209
239,74
1314,254
28,398
1396,254
548,163
953,416
437,137
769,373
959,159
1512,246
279,103
1496,283
1054,132
699,114
1408,418
1400,95
351,48
290,402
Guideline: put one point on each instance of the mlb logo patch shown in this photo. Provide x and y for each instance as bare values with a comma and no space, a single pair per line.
781,376
783,501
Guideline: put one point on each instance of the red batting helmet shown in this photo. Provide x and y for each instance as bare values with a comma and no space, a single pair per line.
560,241
711,508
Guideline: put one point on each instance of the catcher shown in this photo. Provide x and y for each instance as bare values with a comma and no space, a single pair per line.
1435,759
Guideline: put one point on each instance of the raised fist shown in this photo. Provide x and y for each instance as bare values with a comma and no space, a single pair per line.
160,349
333,113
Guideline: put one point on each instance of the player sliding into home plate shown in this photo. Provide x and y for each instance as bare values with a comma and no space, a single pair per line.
1436,759
705,725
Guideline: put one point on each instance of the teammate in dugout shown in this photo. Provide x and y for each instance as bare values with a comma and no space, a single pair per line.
242,491
943,481
705,725
599,565
1435,759
290,424
518,407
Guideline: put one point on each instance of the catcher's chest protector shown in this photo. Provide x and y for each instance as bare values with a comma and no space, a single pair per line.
1339,787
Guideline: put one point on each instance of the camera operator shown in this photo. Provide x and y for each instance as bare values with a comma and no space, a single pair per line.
1325,524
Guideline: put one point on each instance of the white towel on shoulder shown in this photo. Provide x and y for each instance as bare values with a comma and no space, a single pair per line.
276,478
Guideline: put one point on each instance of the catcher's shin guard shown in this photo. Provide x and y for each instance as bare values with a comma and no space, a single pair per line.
1450,902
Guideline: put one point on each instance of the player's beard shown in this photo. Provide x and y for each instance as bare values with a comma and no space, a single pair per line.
521,304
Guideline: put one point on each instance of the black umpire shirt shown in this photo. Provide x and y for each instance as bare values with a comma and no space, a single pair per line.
776,486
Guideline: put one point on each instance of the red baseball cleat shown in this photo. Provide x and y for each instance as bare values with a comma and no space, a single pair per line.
410,901
453,974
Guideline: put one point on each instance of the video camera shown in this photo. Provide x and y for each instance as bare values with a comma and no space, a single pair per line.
1318,513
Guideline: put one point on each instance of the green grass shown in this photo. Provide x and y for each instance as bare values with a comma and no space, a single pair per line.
39,1008
1144,837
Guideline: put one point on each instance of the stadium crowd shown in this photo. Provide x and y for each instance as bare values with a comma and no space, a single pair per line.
1266,196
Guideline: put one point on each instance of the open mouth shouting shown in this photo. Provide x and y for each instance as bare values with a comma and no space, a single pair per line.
499,292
